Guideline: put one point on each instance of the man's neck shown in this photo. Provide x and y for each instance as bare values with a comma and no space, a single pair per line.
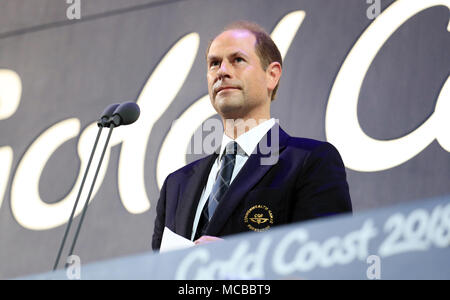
233,128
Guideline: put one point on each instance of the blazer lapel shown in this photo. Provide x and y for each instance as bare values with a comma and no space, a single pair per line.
189,195
250,174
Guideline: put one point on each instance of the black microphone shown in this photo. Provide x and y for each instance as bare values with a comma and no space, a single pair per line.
102,122
106,115
125,114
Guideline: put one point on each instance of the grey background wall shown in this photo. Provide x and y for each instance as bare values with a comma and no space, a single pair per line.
75,68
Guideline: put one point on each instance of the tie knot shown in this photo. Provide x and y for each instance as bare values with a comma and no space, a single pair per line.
231,148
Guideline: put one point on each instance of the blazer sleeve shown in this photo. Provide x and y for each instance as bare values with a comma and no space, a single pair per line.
160,218
321,187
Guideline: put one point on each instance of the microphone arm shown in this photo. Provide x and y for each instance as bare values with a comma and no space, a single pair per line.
90,192
76,201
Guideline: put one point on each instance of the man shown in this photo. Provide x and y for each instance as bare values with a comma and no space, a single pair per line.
236,190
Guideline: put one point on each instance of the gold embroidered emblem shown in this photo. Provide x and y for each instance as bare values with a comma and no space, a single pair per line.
258,218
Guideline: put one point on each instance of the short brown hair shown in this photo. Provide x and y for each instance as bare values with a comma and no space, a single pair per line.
265,47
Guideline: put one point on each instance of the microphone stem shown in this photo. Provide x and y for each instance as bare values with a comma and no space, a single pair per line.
78,198
90,192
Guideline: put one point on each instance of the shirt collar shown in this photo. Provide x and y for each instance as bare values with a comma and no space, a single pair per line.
249,140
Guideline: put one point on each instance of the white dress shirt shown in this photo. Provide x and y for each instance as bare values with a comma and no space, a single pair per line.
247,142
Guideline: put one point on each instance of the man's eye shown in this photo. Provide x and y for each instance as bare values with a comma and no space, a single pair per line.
214,63
238,59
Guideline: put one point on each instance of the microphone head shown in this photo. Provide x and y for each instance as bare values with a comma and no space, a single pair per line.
106,114
125,114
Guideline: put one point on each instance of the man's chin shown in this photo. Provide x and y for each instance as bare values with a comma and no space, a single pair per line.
229,109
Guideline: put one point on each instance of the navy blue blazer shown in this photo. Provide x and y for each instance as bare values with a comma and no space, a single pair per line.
308,181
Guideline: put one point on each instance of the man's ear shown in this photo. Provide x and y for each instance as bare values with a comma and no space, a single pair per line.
273,74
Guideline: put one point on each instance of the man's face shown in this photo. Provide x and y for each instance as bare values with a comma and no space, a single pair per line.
237,83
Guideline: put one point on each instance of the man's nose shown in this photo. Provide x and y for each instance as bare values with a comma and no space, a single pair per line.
224,70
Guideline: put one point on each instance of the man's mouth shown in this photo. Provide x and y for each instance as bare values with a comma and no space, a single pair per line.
225,88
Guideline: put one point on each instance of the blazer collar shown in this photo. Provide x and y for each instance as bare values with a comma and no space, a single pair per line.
189,195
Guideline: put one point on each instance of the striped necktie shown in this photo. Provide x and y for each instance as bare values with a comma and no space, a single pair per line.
223,179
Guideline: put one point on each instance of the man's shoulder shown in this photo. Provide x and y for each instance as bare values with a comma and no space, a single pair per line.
299,146
307,144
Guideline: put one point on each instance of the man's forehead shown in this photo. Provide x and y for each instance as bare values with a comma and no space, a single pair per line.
233,40
236,34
